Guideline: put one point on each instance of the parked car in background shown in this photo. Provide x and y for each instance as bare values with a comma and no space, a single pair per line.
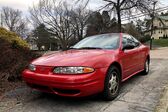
97,64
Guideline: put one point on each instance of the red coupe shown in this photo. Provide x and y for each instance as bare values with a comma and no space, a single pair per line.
97,64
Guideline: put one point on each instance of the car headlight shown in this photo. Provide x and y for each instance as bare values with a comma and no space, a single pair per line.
73,70
32,67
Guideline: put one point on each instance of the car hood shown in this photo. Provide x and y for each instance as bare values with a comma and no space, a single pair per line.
74,58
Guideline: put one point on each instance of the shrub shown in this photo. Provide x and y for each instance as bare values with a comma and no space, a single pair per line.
15,55
13,38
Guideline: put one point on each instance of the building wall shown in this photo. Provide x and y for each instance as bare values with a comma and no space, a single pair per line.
157,23
165,22
159,32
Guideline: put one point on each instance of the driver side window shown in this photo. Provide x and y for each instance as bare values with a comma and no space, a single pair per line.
136,42
127,40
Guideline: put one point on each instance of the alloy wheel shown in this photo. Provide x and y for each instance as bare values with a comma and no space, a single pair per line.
147,66
113,83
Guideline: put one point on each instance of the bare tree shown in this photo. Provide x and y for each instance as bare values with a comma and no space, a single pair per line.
79,18
60,19
13,20
126,7
56,18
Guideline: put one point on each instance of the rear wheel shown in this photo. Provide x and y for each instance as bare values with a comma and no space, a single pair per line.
146,67
112,84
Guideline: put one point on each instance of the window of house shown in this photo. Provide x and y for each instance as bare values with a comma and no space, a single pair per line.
160,24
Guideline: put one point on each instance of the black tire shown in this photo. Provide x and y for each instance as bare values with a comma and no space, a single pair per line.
146,67
110,93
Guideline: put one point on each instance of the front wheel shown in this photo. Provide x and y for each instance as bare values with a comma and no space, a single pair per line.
112,84
146,67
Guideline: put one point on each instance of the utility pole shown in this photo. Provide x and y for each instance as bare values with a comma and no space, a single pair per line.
152,26
1,19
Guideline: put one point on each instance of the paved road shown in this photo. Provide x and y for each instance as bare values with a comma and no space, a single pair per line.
138,94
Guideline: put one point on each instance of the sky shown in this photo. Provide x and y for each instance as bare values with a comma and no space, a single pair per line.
163,2
24,5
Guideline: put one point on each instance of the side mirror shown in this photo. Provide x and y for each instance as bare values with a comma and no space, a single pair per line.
71,47
128,47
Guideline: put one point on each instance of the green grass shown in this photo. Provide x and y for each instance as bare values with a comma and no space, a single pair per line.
161,42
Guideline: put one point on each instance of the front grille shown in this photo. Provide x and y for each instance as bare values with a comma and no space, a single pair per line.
61,91
66,91
40,87
43,69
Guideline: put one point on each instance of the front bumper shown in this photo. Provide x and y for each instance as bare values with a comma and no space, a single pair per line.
67,85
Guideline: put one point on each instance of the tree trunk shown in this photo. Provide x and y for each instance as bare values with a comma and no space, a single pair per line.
119,20
64,46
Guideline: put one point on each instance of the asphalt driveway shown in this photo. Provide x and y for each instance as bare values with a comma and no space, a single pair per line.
138,94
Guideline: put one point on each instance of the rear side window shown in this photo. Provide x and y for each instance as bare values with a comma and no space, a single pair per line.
127,39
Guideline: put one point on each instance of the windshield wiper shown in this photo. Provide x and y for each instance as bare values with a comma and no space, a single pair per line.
72,48
88,48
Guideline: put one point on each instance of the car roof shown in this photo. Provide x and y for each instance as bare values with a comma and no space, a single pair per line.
113,33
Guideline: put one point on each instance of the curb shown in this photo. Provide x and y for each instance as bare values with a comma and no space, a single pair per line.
163,103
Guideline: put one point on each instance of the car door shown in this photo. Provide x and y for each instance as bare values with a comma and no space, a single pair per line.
140,54
129,57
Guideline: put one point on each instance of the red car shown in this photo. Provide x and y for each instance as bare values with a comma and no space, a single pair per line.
97,64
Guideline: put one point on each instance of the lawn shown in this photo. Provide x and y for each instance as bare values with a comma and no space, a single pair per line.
161,42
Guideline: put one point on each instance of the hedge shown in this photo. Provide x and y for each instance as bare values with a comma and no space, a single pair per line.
13,38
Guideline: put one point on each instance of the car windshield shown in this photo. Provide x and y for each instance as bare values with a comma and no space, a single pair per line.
105,41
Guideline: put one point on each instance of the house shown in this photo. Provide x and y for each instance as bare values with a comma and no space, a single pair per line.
160,27
32,43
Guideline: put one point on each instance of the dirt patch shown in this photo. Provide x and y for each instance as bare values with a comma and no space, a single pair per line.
6,86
